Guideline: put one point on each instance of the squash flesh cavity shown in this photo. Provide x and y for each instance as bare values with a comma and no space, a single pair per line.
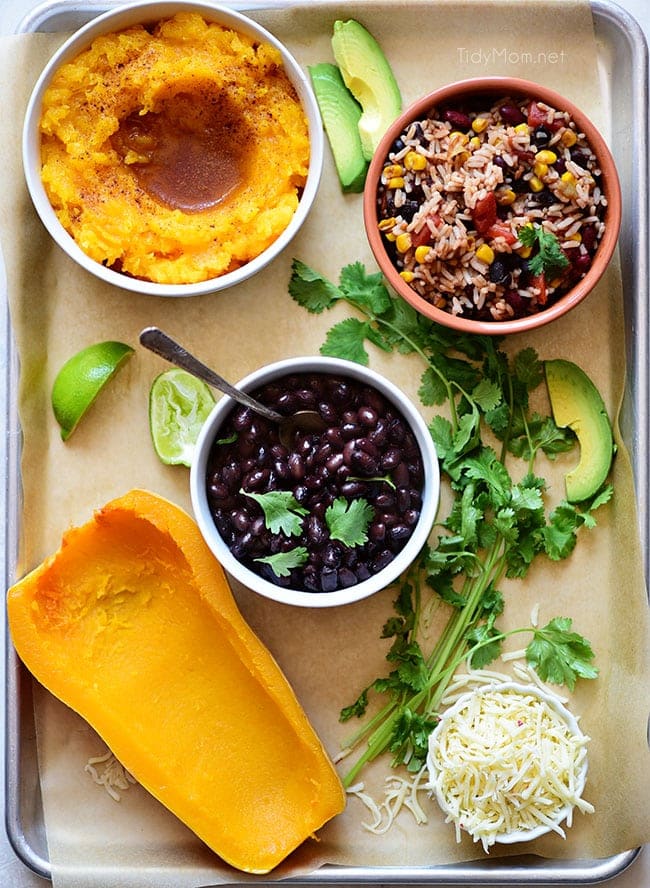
132,624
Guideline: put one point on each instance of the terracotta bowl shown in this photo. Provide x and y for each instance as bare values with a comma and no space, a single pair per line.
494,88
147,12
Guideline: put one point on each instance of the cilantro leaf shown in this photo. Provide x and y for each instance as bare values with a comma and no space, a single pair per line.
549,258
282,511
487,395
346,340
282,562
348,521
409,740
528,368
310,289
368,290
356,709
560,655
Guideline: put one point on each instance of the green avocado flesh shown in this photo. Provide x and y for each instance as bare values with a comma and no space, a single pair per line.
576,404
368,75
341,115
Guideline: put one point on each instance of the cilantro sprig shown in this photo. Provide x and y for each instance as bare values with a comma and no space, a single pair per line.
282,511
548,257
496,527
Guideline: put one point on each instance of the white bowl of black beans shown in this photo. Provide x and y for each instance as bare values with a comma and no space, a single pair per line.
356,502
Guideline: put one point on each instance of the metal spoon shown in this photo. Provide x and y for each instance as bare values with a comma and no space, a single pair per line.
163,345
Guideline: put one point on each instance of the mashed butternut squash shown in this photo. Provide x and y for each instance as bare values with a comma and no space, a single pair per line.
175,154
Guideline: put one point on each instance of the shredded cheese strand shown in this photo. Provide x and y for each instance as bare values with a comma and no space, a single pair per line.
113,776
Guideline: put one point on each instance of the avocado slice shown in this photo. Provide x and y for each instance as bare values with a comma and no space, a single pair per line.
577,404
341,115
369,77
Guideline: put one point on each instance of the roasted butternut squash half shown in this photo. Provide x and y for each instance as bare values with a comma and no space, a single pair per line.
133,625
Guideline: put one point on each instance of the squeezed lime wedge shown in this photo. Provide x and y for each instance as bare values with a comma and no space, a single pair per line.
179,404
81,379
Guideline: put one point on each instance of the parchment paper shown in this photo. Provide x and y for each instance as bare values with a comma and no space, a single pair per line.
328,655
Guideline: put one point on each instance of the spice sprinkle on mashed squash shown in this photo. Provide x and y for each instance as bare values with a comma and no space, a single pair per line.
174,154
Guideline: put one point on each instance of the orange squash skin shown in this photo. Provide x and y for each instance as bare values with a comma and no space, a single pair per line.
132,624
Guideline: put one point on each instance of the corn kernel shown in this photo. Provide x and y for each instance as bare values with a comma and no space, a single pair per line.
391,237
577,237
474,143
395,182
568,178
392,170
457,136
403,242
505,196
460,157
479,124
522,128
524,252
546,156
540,169
485,253
535,184
568,138
407,276
415,161
421,254
387,224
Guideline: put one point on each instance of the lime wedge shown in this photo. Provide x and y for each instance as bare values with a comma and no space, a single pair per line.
179,404
81,379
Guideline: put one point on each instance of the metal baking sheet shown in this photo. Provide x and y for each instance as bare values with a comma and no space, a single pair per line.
623,64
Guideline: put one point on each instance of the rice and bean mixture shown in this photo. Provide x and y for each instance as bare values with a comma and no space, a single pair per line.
492,212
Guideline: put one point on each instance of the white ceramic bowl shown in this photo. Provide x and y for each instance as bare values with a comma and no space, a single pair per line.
147,11
431,490
561,814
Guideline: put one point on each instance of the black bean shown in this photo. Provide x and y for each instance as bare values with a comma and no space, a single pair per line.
540,136
401,475
256,479
332,554
391,458
296,466
499,273
367,416
382,560
334,436
399,533
346,577
408,209
543,198
329,579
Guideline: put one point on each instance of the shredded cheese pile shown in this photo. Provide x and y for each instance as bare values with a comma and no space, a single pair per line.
113,776
504,760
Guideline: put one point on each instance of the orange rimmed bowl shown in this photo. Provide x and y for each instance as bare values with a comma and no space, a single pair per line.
468,97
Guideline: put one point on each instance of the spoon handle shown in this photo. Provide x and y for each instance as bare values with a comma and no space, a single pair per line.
166,347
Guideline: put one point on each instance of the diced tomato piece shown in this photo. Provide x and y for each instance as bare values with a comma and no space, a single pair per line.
484,214
422,237
538,282
499,229
536,115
